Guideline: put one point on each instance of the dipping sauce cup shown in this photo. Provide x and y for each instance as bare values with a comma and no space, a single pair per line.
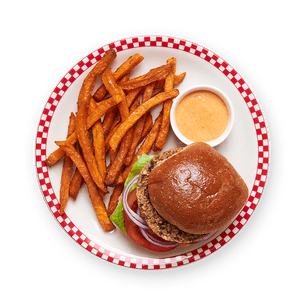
202,113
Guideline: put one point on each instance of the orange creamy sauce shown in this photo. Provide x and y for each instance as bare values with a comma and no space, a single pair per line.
201,116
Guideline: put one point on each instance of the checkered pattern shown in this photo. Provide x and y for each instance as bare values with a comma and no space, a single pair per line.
261,133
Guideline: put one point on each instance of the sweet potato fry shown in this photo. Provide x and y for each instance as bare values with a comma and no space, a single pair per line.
98,143
153,75
128,66
118,157
131,96
169,80
177,80
103,107
139,126
112,131
108,120
76,183
116,92
123,79
135,105
112,114
96,199
164,129
116,165
140,111
112,154
89,81
56,155
148,125
100,93
144,148
67,170
85,144
148,142
114,198
122,70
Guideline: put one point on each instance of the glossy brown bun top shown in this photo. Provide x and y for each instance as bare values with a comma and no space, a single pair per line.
197,189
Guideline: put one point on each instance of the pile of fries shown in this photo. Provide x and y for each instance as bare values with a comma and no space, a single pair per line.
112,127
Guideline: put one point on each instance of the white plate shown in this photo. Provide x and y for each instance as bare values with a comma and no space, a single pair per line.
247,147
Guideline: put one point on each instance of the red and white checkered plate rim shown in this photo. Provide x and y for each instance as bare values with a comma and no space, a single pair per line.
262,142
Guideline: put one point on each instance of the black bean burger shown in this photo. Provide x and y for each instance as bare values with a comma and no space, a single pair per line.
183,195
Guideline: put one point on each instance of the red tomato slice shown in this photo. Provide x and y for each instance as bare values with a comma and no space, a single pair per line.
134,232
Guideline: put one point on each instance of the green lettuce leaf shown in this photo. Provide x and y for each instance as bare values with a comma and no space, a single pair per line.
117,216
137,167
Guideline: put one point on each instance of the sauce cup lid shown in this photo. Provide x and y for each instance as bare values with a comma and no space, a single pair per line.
218,92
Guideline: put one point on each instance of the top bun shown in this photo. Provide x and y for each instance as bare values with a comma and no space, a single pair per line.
197,189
